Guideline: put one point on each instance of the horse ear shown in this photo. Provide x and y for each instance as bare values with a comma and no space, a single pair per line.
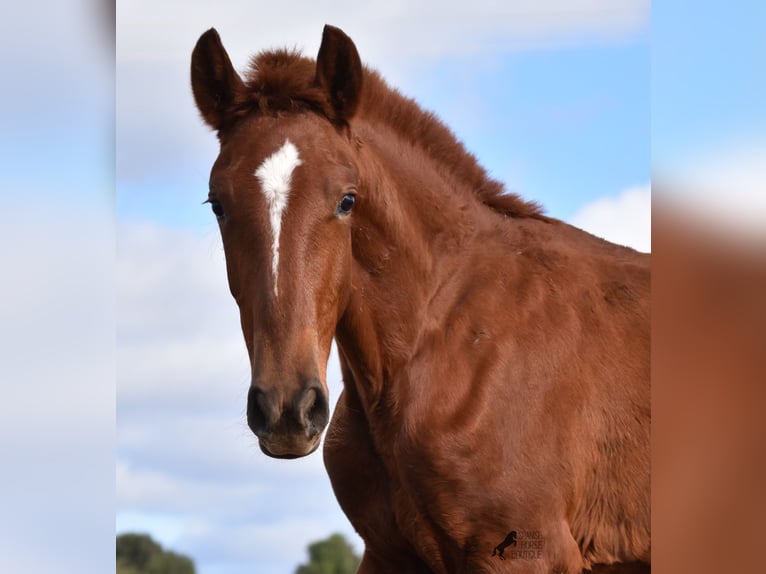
339,72
216,85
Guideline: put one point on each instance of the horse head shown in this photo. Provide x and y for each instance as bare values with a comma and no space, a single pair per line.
283,190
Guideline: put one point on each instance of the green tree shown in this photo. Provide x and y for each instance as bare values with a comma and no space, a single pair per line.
333,555
139,554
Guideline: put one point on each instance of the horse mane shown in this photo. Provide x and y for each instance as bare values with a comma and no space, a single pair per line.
284,81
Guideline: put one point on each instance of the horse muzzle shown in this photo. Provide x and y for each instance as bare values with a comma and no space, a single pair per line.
289,428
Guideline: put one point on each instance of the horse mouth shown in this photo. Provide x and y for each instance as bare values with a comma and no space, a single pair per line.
288,454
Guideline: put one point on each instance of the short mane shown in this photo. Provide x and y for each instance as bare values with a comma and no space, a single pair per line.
284,81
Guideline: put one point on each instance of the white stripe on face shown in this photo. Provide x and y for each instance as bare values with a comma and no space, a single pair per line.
275,174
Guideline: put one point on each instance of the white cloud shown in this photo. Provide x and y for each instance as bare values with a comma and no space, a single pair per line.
394,30
57,376
231,548
722,187
158,126
625,218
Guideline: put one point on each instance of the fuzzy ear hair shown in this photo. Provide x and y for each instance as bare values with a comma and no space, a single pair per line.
216,85
339,73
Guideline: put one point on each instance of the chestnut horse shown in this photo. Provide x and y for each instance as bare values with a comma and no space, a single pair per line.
495,413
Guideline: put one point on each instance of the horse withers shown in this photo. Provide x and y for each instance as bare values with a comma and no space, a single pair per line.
495,415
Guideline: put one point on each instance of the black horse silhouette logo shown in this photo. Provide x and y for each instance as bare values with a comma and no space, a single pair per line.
510,540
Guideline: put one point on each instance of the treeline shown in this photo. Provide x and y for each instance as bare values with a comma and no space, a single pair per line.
333,555
139,554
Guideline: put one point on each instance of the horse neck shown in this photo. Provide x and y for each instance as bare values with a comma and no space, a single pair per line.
412,222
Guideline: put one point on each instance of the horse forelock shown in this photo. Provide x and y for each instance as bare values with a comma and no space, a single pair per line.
284,81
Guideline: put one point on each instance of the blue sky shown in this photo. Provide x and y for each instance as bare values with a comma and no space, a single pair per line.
563,127
708,85
559,110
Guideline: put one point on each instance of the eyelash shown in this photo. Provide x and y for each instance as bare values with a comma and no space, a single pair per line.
217,208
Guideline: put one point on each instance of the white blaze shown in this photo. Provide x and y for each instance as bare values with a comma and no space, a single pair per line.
275,174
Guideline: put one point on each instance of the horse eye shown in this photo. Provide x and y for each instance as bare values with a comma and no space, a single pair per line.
345,205
217,208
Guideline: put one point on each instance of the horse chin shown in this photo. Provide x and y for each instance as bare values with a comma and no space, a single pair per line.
289,454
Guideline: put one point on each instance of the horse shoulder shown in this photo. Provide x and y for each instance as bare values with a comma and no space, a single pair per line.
496,400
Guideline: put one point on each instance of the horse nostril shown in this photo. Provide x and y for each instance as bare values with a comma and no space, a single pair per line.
313,410
261,412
